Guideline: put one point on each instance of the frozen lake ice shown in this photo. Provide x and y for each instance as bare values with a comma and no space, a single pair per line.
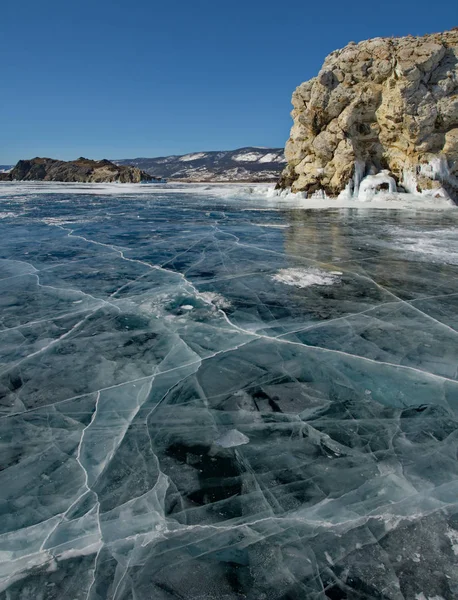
207,394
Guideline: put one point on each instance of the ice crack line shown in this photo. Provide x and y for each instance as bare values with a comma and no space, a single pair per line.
272,339
42,321
79,292
86,489
406,303
145,378
238,243
50,345
140,262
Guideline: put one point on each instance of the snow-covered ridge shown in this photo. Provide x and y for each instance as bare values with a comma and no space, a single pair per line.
188,157
251,164
249,157
262,157
273,158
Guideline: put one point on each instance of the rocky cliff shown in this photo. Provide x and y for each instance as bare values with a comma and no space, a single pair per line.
81,170
386,107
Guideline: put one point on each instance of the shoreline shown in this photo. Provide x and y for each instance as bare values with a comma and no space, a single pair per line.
263,195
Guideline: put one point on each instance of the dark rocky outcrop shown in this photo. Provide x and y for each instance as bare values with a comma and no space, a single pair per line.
82,170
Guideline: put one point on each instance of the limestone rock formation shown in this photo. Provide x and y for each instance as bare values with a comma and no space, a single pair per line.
385,104
81,170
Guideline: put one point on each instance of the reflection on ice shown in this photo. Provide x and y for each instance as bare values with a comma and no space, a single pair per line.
202,398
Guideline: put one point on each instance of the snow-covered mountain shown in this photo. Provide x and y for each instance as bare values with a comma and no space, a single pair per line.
244,164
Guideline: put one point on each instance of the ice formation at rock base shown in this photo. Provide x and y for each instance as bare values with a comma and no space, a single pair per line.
367,187
140,328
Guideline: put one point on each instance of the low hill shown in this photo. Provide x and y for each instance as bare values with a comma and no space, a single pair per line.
82,170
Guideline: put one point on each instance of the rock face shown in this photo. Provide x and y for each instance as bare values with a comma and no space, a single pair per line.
81,170
381,105
244,164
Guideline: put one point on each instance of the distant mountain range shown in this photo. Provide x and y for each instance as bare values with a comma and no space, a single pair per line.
5,168
249,164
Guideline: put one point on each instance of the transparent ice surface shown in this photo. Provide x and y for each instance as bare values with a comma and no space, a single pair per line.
204,397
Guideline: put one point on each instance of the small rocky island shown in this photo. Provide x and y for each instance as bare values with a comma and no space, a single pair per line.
384,111
82,170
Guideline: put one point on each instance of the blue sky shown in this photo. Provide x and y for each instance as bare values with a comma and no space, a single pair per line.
115,80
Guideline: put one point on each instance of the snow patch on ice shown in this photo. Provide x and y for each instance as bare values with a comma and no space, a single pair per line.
303,278
217,299
439,246
232,438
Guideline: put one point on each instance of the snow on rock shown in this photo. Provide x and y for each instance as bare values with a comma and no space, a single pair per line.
249,157
232,438
270,157
188,157
242,164
303,278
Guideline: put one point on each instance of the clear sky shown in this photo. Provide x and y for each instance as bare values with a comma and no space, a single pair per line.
109,79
